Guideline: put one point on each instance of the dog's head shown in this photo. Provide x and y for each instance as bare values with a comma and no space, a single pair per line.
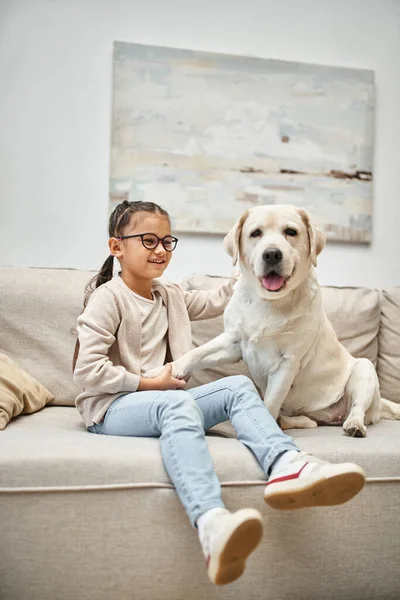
276,245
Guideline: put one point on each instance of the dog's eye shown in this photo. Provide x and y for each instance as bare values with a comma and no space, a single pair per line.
290,232
256,233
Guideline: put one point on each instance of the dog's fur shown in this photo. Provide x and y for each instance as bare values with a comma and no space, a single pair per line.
305,375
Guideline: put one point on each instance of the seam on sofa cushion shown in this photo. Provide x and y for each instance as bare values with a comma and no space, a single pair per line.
144,485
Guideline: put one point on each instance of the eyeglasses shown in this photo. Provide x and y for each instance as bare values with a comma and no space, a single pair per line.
151,241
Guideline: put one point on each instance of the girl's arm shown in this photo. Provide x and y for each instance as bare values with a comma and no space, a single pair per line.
207,304
97,326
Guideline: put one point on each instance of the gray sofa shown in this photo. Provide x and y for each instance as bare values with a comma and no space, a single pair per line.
94,517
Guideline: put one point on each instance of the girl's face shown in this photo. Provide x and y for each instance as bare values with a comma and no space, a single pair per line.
136,260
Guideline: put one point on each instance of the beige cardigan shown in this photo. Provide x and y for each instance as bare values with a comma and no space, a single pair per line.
109,332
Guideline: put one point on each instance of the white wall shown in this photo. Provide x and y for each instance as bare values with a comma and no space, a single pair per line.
55,111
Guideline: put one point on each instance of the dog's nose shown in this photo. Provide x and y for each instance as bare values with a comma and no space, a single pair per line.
272,256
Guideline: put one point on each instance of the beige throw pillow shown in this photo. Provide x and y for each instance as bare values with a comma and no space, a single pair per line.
19,392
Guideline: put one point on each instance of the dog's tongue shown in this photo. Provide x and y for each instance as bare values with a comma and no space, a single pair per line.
273,282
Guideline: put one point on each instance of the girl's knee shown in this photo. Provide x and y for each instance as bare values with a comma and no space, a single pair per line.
240,382
182,404
242,389
176,398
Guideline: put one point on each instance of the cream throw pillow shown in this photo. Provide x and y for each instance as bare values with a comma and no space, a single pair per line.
19,392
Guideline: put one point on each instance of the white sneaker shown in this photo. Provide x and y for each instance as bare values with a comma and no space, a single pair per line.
309,481
227,539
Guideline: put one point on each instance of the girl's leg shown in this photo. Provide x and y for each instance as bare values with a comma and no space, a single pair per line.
227,539
174,417
296,479
237,399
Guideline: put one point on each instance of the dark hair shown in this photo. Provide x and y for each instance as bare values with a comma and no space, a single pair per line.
119,219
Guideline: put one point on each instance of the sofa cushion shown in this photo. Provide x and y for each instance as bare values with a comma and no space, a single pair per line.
39,307
19,392
57,450
52,448
389,344
353,312
355,316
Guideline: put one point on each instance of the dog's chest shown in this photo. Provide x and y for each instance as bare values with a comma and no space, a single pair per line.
261,358
262,329
267,334
263,346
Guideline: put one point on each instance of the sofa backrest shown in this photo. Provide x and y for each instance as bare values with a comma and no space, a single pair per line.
389,344
39,308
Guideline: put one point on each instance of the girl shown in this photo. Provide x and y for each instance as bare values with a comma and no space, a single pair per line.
133,323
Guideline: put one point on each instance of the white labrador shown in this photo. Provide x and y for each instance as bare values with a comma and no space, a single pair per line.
275,321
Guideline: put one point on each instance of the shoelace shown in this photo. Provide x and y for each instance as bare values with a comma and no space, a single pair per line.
307,457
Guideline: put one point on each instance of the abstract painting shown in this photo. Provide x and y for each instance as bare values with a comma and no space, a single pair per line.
209,135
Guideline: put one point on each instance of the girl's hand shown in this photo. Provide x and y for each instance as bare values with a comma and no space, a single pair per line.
153,373
163,381
166,381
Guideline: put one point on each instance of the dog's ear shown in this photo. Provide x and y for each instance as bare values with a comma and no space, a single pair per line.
232,239
316,237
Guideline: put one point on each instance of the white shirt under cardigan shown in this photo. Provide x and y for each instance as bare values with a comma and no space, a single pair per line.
154,323
112,339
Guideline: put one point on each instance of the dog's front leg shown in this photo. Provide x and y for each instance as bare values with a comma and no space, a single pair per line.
279,384
223,349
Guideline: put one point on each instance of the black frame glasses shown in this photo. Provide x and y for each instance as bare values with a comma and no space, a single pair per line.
154,241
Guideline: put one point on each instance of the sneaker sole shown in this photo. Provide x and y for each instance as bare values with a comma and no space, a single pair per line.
243,540
331,491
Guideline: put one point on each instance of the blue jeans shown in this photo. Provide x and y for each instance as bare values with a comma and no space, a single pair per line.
180,418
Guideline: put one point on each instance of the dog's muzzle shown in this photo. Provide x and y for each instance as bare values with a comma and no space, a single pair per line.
273,280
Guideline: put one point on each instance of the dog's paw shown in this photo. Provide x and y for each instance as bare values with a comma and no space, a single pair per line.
354,427
179,369
297,422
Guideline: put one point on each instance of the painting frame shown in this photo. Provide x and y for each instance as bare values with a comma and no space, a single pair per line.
207,135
